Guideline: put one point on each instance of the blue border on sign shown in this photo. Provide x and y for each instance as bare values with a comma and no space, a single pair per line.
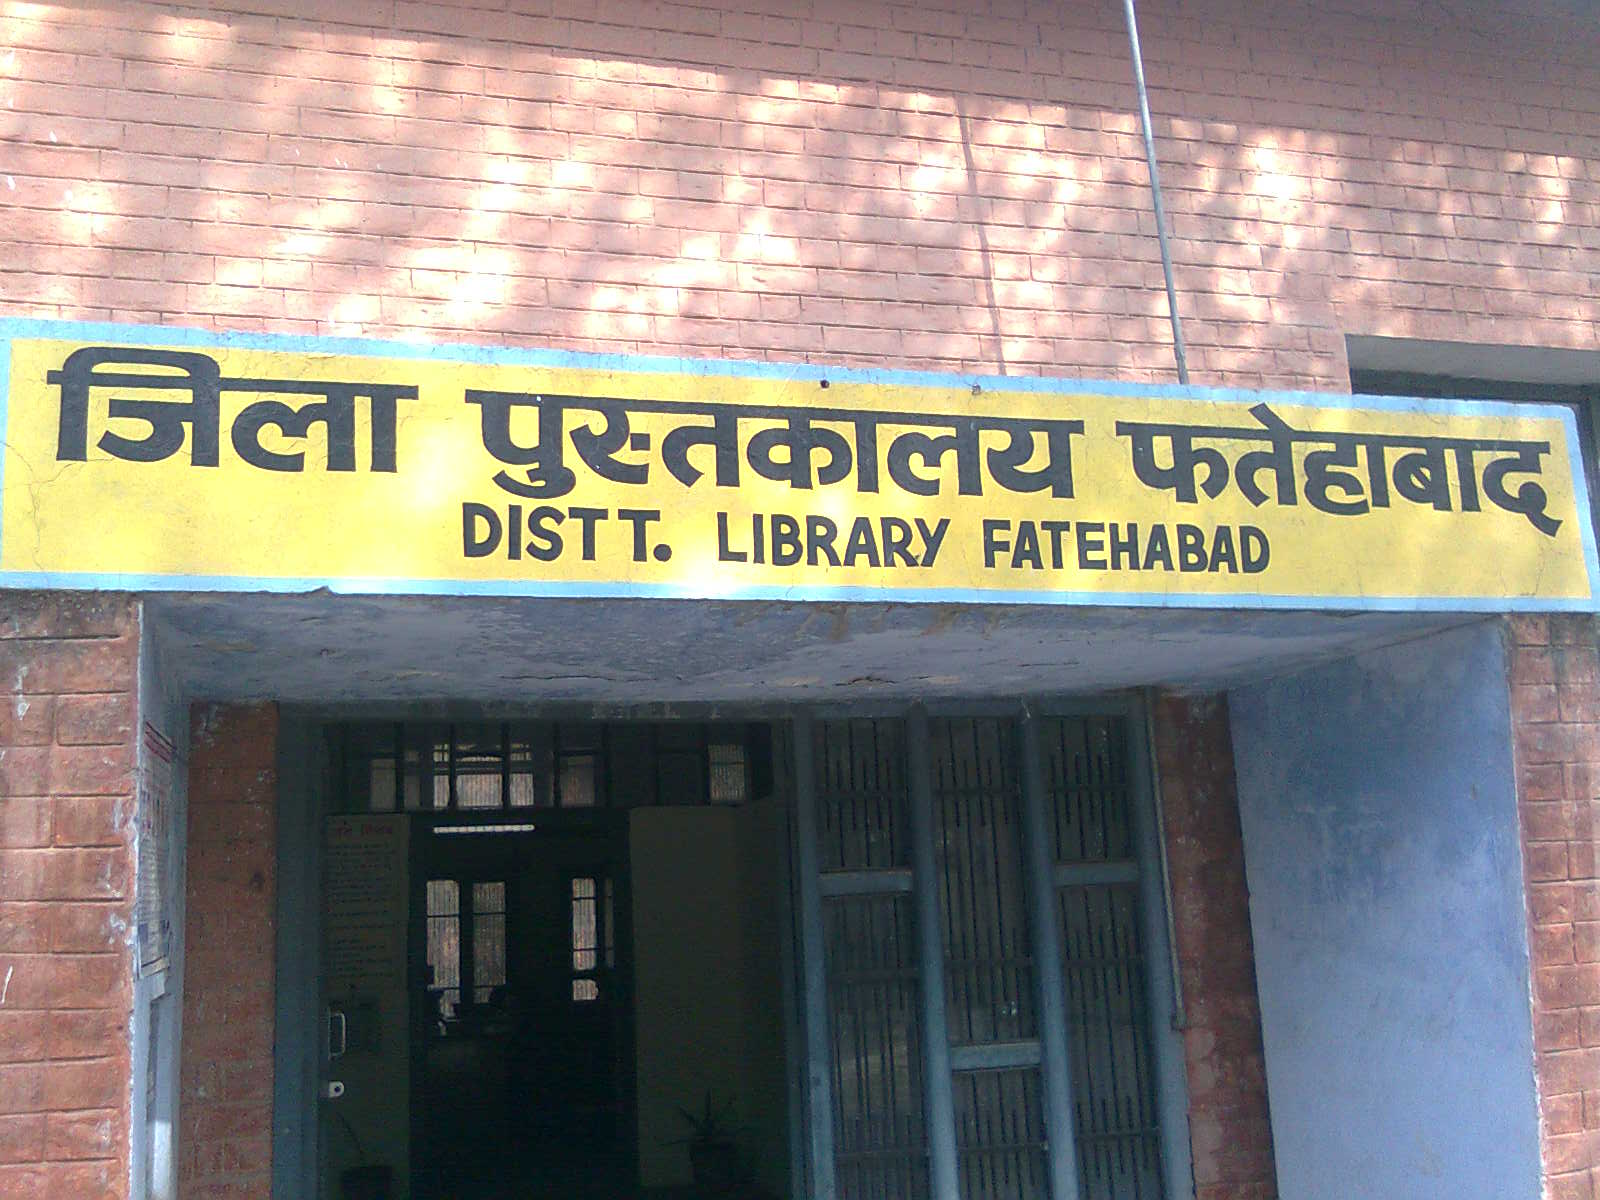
5,393
348,586
144,335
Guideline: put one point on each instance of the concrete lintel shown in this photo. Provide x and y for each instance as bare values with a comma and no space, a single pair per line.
328,650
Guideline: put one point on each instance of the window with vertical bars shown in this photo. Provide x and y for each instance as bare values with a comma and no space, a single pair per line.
593,935
488,939
466,944
991,987
585,926
444,947
989,980
874,1006
485,767
1115,1116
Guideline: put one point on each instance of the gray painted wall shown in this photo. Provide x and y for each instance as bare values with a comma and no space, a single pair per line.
1380,831
158,997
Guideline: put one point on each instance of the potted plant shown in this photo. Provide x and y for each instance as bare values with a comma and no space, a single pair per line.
713,1149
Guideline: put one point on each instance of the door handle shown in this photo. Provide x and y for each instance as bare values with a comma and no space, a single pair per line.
338,1033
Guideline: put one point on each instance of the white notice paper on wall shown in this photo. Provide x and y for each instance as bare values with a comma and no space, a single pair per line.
156,754
365,870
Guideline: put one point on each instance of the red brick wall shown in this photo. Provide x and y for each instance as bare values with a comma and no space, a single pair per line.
945,185
67,759
1229,1125
225,1103
1555,705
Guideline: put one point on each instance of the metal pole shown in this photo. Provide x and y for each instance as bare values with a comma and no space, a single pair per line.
1178,350
1166,986
793,1025
938,1087
814,979
1055,1057
1147,719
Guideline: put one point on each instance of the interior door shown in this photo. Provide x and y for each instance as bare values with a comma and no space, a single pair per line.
523,1050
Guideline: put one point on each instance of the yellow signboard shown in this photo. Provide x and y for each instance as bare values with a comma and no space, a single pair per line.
155,459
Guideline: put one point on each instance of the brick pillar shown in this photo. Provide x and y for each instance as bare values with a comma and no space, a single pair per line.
67,756
1229,1126
1555,713
225,1104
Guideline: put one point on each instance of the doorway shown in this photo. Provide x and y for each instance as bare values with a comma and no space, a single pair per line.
543,944
522,1034
908,954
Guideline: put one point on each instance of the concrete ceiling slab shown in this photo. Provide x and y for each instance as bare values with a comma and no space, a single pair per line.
323,649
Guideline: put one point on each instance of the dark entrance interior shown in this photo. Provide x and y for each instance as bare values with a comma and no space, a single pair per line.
522,1033
544,943
548,946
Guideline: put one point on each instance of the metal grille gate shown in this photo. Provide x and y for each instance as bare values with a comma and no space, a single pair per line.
974,879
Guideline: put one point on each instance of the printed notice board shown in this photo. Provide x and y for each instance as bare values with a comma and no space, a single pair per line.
152,899
365,896
163,459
